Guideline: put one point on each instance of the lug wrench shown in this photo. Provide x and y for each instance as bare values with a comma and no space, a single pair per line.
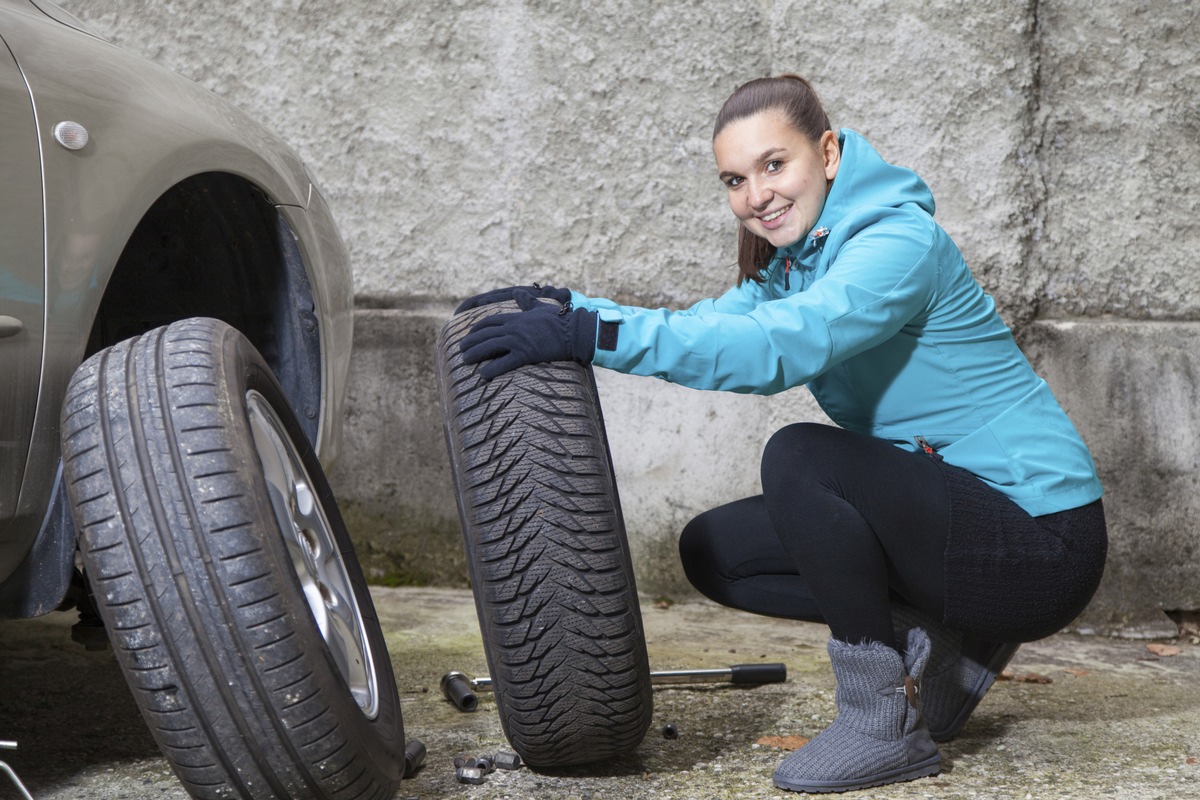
460,688
12,776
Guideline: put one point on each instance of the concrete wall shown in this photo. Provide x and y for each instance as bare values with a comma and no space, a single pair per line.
469,144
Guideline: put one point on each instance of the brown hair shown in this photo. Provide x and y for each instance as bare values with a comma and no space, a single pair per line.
796,99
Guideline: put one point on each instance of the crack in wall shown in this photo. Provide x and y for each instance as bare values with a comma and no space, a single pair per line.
1034,162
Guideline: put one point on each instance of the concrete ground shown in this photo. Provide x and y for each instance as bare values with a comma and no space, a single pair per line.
1081,718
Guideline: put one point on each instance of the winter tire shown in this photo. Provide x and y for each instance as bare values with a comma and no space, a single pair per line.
547,555
224,574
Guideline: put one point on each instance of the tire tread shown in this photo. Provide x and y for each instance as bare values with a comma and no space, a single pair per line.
547,555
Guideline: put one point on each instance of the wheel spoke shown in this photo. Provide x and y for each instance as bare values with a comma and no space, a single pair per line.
341,638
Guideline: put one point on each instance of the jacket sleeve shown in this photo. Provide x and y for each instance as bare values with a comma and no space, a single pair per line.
738,300
882,274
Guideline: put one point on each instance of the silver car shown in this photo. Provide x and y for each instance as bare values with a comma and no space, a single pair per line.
175,325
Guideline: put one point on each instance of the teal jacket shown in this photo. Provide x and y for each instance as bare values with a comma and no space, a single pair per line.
877,313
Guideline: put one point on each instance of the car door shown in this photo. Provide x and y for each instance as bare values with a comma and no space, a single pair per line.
22,280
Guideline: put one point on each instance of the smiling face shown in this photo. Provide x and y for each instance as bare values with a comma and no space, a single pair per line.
777,178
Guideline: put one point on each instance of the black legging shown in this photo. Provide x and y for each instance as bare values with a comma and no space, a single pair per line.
847,521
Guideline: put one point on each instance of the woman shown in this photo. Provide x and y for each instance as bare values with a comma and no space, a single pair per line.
954,511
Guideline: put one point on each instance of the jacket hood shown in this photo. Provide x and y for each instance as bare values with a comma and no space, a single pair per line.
864,180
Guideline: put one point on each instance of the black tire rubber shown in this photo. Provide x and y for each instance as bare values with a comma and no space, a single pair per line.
547,554
202,597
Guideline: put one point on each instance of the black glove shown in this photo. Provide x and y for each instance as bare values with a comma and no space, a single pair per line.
563,296
539,332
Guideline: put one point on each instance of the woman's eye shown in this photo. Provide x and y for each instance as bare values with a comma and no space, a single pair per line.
774,166
733,183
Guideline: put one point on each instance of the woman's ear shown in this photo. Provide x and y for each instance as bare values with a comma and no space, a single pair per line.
831,154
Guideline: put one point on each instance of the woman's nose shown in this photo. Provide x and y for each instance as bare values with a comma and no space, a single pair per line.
760,196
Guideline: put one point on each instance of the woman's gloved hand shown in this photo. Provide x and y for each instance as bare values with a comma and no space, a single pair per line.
539,332
563,296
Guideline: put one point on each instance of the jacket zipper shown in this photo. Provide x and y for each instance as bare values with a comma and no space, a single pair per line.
928,448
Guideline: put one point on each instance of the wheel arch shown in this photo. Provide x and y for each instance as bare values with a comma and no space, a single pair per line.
213,245
229,238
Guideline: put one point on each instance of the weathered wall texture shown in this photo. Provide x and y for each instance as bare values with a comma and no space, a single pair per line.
469,144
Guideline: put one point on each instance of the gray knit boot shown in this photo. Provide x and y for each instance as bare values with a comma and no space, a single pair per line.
878,736
960,671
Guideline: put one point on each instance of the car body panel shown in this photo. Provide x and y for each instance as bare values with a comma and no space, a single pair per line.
22,283
149,129
60,14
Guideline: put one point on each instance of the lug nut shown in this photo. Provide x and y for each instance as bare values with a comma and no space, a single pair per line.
469,775
669,731
414,757
484,764
507,760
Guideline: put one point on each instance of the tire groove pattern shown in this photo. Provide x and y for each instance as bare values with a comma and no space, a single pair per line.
547,554
213,655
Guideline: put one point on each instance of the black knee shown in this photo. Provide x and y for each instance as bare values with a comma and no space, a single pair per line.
795,454
732,556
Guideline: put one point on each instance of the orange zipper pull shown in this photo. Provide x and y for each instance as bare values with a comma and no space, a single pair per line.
927,447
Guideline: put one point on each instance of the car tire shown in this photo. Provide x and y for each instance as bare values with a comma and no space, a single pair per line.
547,555
224,574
